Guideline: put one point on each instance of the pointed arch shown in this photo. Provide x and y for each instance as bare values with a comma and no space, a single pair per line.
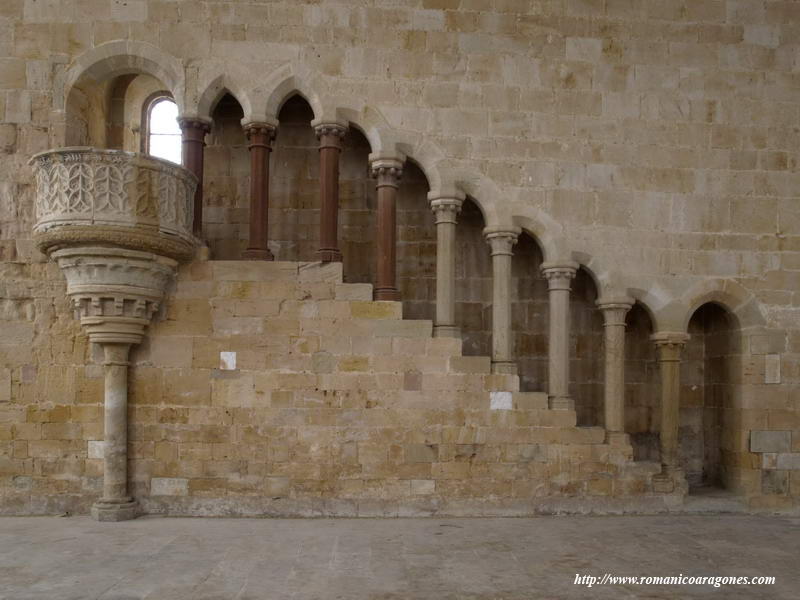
216,89
281,85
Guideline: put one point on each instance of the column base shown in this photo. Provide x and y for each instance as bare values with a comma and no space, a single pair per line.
327,255
617,438
450,331
504,367
391,294
561,403
115,511
257,254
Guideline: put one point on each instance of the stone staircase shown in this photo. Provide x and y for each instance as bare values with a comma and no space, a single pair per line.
280,380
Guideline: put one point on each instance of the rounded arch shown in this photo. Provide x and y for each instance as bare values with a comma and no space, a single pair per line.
216,89
644,300
727,293
547,232
112,59
483,191
372,124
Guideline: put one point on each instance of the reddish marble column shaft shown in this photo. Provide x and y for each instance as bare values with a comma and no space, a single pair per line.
259,139
388,172
330,137
193,142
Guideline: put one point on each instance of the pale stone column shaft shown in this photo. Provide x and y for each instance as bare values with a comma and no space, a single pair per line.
559,280
670,345
446,211
501,243
614,312
115,453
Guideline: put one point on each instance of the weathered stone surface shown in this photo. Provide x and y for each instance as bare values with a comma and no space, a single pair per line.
770,441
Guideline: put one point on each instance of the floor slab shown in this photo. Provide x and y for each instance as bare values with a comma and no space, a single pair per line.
398,559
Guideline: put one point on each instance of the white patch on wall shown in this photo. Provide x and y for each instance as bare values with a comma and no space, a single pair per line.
772,368
501,401
227,361
95,449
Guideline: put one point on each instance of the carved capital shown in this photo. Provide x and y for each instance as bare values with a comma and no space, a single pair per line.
387,171
669,344
446,209
614,310
259,134
330,135
501,241
194,128
559,275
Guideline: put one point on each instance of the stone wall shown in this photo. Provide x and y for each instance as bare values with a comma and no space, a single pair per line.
331,405
654,143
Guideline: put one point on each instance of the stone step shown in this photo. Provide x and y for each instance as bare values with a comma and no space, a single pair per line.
353,291
531,401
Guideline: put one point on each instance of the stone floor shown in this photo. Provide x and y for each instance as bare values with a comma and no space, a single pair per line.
214,559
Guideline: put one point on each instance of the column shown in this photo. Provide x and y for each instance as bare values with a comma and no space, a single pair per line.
388,172
614,311
330,137
670,345
446,210
259,141
193,142
559,280
115,504
501,243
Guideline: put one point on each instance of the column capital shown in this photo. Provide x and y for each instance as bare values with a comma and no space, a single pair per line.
669,344
446,209
259,133
559,275
193,122
387,171
501,240
330,135
614,309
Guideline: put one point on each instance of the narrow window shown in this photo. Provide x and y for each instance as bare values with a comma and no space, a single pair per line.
162,135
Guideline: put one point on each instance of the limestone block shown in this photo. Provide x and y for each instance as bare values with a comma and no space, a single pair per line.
530,400
443,346
423,487
501,401
402,329
789,461
775,482
354,291
470,364
253,271
770,441
376,310
320,272
421,453
95,449
5,385
171,351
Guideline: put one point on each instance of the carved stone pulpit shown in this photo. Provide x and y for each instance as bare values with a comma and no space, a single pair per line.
117,224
